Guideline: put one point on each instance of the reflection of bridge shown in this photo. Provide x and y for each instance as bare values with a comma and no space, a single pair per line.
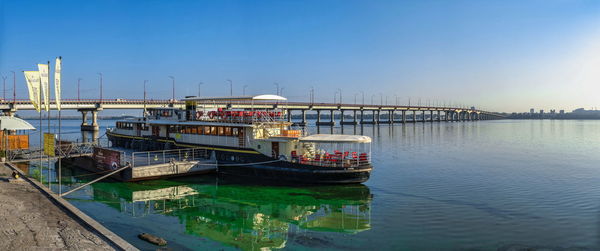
395,113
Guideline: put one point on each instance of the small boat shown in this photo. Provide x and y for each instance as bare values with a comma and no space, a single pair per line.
255,142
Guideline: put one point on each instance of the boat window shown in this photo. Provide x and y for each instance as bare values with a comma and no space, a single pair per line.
228,131
234,131
194,130
220,131
199,130
206,130
213,130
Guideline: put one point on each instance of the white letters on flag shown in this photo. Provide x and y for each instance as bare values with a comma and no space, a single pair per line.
57,68
33,85
45,78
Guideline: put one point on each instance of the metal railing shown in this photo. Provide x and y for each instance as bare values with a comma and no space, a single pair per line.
166,156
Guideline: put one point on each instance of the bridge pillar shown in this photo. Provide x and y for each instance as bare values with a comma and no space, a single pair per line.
318,117
391,117
439,116
84,119
431,115
331,117
362,116
303,123
403,117
289,115
414,120
379,116
423,114
354,118
341,117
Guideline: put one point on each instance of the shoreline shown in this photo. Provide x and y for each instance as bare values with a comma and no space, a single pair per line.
35,217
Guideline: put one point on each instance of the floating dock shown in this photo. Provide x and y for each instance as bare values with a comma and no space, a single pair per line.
146,165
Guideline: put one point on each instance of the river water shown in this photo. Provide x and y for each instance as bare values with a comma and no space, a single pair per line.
482,185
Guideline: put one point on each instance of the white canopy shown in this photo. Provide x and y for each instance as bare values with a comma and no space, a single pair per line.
14,123
263,97
336,138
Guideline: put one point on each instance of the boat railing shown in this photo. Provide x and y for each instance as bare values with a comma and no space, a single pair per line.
238,117
338,159
166,156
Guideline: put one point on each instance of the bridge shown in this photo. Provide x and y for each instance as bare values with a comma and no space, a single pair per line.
352,114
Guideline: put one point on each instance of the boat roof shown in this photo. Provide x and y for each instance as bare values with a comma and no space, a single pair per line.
336,138
264,97
14,123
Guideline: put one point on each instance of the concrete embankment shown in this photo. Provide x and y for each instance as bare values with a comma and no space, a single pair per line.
32,219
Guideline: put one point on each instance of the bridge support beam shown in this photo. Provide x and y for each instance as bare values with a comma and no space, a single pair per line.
439,116
362,116
431,115
391,117
403,117
318,117
414,119
423,114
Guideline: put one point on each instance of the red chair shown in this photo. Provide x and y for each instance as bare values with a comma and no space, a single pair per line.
363,158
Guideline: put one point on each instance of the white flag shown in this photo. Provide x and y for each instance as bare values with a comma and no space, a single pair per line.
57,68
45,78
33,85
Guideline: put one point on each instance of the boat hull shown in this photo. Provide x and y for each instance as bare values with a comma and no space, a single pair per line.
248,163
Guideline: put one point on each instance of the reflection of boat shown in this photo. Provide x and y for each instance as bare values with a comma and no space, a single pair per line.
247,217
251,143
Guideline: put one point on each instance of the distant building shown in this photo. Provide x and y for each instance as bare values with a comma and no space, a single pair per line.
561,112
532,111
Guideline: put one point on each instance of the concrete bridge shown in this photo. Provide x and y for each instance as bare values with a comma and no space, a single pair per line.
347,113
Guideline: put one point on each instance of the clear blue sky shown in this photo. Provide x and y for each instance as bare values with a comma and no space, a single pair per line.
498,55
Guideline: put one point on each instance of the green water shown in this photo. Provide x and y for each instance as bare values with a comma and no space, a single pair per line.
486,185
198,213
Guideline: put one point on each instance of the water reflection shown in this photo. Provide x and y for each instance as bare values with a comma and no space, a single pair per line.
249,217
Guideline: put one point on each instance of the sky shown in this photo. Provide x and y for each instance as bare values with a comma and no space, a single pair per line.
503,56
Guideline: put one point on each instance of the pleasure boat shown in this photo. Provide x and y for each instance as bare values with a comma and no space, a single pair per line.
249,136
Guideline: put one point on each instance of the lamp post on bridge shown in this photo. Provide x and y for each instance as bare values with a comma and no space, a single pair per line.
312,95
199,89
99,73
244,90
372,96
173,89
14,88
4,86
78,88
145,81
277,85
340,90
230,87
355,94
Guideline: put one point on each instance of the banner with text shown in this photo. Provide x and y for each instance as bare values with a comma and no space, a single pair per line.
49,141
57,69
33,85
45,78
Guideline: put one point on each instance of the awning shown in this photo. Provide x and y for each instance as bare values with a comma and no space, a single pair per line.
14,123
264,97
336,138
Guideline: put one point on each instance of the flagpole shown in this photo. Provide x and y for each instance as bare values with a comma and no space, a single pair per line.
41,133
49,109
59,127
